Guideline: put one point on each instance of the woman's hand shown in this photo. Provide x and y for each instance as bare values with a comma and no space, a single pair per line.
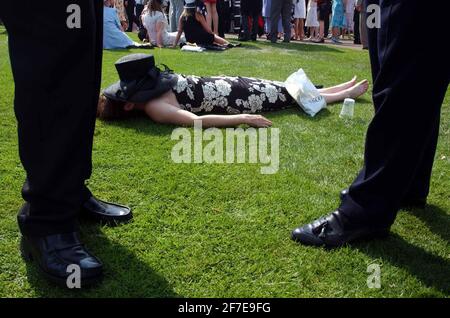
257,121
124,25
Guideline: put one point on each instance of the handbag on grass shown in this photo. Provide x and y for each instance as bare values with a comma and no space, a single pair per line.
142,34
305,93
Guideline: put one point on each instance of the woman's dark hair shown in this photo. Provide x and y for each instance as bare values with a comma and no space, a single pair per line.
155,5
108,109
189,12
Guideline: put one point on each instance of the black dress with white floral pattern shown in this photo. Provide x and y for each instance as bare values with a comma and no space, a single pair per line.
231,95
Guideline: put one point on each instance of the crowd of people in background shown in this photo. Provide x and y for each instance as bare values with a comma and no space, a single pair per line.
165,23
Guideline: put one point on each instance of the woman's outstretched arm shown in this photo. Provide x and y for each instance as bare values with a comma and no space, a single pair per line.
159,34
180,31
165,113
200,18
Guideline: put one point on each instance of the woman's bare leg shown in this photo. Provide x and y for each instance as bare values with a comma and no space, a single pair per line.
321,29
215,18
352,92
208,15
301,29
338,88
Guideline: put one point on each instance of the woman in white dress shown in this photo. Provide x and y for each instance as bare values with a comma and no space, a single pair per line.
299,19
156,24
311,19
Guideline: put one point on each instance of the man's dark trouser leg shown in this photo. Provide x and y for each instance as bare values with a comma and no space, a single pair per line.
357,38
57,73
223,12
275,13
286,11
255,25
420,185
327,22
410,83
139,9
245,27
131,16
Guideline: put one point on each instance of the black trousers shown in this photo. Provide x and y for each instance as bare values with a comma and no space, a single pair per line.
131,16
283,8
328,5
357,33
224,12
57,72
409,85
139,9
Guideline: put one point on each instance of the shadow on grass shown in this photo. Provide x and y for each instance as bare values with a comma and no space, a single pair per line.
297,111
128,50
430,269
249,46
142,125
124,274
437,220
297,47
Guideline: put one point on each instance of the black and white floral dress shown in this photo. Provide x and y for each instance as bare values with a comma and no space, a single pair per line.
231,95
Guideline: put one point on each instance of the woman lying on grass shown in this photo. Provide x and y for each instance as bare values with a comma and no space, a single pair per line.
169,98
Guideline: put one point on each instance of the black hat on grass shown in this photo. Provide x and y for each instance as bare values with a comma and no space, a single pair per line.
140,79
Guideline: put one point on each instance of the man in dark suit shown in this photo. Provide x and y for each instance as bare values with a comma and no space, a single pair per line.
57,74
281,8
409,85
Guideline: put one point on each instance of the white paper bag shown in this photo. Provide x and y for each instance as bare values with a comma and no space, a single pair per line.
192,48
305,93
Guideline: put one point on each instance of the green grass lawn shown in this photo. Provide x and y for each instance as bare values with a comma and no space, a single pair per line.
223,230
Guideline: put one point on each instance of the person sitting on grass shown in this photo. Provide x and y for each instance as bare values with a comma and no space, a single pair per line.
155,22
113,36
195,28
220,101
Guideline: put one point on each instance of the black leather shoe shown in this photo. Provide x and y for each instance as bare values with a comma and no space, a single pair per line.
106,212
418,203
342,194
329,232
55,253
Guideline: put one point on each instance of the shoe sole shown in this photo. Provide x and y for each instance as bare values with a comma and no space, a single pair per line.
379,234
27,256
106,220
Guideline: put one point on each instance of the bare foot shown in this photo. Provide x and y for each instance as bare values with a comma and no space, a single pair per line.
348,84
358,89
340,88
